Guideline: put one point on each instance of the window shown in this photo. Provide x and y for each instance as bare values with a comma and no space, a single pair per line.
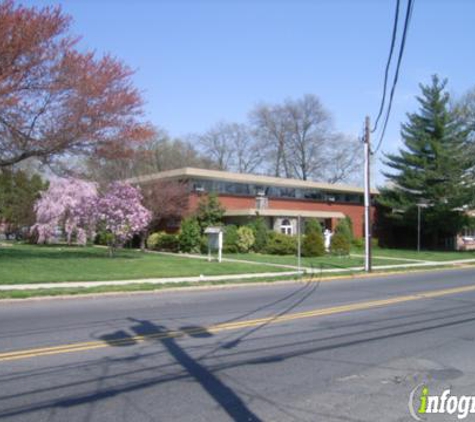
467,232
249,189
286,193
286,227
237,188
198,187
312,194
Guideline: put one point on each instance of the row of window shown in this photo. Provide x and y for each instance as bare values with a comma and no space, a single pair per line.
246,189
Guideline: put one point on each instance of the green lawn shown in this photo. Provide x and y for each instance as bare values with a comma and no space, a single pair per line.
335,262
36,264
423,255
320,262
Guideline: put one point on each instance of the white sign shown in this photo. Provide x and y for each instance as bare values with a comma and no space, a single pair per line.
215,241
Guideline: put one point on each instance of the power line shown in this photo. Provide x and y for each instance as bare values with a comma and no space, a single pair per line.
388,64
410,5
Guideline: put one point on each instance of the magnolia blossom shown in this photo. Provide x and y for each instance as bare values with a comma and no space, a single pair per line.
68,203
121,212
76,206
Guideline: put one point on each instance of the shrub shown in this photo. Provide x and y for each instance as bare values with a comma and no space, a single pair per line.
190,236
210,212
349,222
374,242
204,244
312,245
344,229
358,243
168,243
103,238
230,241
340,244
245,238
153,239
281,244
313,226
261,234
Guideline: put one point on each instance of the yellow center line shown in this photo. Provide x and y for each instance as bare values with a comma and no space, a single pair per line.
91,345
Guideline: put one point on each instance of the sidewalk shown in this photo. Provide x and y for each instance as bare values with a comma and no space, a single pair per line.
410,263
166,280
392,258
230,277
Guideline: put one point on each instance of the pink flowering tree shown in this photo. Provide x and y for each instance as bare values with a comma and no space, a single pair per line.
68,204
121,214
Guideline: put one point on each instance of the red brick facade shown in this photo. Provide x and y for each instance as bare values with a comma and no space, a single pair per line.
354,211
279,201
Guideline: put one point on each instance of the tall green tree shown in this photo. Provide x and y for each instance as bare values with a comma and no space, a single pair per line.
190,235
18,193
432,167
210,212
261,234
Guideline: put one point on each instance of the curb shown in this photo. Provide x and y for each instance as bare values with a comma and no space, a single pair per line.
237,284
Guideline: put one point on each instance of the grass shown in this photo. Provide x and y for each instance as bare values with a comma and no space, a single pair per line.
404,256
130,288
35,264
325,262
21,264
437,256
74,291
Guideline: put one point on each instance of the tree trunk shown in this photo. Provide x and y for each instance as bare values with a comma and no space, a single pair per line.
143,237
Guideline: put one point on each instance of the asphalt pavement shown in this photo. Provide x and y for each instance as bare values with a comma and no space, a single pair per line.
343,350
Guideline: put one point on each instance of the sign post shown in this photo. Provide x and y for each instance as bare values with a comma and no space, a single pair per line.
215,241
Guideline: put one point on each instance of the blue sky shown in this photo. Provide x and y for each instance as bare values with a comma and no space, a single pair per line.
198,62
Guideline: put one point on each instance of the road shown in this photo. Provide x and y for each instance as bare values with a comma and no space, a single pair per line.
345,350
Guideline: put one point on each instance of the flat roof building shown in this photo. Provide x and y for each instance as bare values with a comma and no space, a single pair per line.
280,201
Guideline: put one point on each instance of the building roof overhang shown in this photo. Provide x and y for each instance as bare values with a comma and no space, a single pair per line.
195,173
269,212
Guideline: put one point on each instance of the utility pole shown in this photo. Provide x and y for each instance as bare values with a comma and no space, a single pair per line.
367,196
299,243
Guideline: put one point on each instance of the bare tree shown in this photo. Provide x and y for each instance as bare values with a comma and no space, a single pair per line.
309,126
217,144
271,127
299,141
160,153
344,160
465,110
231,146
239,147
294,135
165,153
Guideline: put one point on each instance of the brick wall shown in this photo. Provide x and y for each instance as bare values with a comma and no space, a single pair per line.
354,211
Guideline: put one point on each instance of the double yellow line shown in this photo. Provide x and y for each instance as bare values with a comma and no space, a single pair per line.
91,345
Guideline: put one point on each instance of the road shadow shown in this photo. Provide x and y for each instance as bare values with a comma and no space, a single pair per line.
223,395
226,397
308,290
196,331
119,338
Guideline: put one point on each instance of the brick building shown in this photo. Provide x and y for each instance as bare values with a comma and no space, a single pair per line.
279,201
